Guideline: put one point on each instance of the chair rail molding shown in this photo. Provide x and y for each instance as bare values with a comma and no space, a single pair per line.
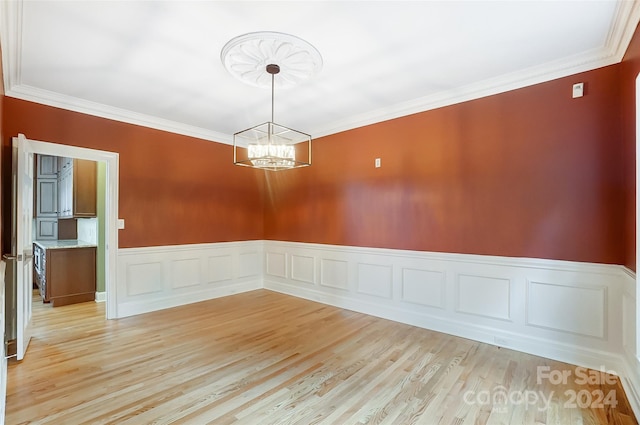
580,313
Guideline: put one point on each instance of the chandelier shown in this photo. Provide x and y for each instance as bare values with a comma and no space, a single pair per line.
256,59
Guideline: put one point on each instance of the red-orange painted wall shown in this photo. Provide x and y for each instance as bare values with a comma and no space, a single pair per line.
629,71
528,173
531,173
173,189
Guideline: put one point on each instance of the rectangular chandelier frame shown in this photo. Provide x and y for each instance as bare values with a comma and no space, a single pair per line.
271,146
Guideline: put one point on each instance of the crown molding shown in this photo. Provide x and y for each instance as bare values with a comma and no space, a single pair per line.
535,75
627,17
71,103
11,41
623,28
626,20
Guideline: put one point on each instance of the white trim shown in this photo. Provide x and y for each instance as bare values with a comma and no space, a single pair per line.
637,223
535,75
132,308
630,372
520,262
622,29
3,356
101,297
155,278
507,282
631,383
57,100
612,347
111,206
11,33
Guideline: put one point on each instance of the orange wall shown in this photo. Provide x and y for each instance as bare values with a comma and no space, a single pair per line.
531,173
629,70
173,189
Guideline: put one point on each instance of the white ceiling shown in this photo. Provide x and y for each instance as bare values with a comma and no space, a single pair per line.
157,63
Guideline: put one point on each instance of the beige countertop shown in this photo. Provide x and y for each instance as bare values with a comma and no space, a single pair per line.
69,243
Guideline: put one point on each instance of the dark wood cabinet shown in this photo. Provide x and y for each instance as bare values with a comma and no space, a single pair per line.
67,275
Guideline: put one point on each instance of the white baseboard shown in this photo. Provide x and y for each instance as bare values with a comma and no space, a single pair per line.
101,297
579,313
155,278
631,373
562,310
556,350
631,383
132,308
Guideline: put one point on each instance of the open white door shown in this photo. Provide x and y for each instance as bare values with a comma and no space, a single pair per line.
22,241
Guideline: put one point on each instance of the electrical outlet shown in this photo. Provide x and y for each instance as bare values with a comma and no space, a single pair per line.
377,163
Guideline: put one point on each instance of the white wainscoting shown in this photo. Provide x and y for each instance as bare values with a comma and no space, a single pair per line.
3,357
154,278
580,313
631,373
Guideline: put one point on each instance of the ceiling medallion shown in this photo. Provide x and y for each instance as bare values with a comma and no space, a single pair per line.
256,59
246,57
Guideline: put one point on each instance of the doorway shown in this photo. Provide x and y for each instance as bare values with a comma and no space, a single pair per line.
69,212
109,162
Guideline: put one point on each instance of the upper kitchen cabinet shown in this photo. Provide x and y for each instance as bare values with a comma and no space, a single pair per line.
46,200
77,180
47,167
46,204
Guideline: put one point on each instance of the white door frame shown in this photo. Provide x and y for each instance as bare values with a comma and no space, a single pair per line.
111,206
637,333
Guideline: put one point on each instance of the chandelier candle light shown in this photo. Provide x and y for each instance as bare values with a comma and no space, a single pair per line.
251,58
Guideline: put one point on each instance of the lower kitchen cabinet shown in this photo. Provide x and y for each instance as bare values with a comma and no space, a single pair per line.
67,275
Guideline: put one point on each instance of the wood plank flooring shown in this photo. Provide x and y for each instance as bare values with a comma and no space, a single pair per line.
266,358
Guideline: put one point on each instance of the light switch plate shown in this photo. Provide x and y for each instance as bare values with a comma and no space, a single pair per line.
121,223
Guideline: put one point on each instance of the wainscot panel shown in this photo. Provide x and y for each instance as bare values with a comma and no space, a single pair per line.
303,268
375,280
424,287
567,311
581,310
334,273
154,278
219,268
484,296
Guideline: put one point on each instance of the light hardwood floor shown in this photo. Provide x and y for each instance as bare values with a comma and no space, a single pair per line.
267,358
